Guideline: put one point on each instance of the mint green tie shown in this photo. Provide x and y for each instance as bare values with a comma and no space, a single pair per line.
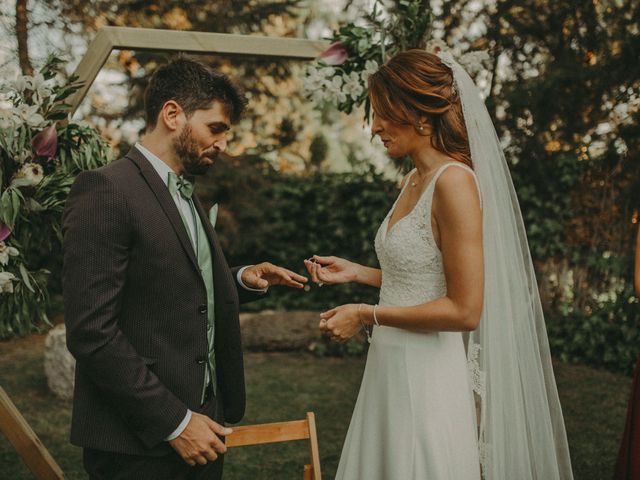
203,254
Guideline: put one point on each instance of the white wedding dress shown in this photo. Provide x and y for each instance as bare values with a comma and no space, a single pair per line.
415,414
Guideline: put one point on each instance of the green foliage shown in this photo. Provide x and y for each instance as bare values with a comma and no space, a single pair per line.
602,327
567,110
546,201
35,179
287,218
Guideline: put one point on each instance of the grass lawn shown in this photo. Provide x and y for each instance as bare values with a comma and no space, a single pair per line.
283,386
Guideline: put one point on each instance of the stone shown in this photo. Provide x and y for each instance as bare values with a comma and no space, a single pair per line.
59,364
271,330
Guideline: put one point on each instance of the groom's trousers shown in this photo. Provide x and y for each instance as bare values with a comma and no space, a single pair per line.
101,465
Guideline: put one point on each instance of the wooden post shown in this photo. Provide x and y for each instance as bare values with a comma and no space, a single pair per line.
26,442
313,446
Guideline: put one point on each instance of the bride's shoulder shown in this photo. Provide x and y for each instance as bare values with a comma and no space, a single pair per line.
457,184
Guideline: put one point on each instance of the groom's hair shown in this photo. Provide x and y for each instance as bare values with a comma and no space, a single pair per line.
193,86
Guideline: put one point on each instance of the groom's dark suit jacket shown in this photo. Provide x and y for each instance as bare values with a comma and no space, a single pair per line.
136,311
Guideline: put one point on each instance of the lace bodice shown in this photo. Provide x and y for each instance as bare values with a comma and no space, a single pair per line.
410,260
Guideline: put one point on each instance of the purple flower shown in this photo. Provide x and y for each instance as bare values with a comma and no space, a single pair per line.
45,143
5,231
336,54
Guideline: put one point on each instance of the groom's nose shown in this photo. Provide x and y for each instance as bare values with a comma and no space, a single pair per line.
220,145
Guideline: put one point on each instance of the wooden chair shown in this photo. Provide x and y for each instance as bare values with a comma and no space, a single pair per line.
44,467
26,442
282,432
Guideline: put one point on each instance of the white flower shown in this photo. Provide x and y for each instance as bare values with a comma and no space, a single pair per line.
334,93
370,67
29,175
335,83
328,72
22,83
6,284
7,119
6,252
30,115
318,95
352,85
313,80
40,86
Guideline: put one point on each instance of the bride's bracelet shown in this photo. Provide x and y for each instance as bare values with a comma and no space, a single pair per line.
364,326
375,317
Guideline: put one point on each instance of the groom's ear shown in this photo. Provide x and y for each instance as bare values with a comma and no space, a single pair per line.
171,115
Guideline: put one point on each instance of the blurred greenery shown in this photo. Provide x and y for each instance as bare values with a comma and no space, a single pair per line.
265,215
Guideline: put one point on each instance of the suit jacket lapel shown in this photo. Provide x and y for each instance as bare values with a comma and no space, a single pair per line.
161,192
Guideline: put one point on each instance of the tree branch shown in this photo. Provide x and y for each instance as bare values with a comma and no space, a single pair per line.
22,25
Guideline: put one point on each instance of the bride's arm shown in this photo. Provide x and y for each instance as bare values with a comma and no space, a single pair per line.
333,270
459,219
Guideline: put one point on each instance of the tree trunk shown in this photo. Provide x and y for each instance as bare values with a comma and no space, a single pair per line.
22,25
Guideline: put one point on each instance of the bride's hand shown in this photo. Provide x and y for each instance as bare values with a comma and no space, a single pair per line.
331,270
341,323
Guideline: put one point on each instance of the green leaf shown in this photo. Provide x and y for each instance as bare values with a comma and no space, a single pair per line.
25,277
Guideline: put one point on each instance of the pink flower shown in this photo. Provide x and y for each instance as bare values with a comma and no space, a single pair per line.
336,54
5,231
45,143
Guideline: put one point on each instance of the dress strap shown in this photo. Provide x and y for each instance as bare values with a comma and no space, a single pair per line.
441,170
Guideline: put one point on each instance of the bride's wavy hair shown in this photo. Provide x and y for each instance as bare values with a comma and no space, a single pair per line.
415,84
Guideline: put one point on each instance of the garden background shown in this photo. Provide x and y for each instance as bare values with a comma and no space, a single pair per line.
563,87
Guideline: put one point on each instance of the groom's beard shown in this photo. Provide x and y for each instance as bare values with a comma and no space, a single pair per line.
187,150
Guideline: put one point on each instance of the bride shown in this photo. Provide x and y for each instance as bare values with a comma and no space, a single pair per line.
459,320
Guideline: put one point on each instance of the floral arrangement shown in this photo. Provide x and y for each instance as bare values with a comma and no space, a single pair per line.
41,152
339,76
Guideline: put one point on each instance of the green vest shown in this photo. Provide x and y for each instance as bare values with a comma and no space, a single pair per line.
205,264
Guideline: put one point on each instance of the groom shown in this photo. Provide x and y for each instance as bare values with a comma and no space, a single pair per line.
151,307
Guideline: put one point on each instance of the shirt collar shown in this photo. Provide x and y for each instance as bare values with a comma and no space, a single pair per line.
162,168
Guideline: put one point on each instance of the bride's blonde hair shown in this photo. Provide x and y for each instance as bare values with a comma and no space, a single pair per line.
415,84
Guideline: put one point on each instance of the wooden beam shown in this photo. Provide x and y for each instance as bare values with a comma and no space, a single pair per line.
204,42
26,442
87,70
109,38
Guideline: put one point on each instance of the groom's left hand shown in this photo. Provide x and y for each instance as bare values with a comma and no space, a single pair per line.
266,274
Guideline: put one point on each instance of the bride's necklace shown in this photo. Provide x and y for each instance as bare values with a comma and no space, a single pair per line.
421,181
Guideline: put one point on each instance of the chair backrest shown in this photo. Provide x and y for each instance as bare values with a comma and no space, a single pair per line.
26,442
282,432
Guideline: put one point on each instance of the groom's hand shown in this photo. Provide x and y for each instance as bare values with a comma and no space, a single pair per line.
199,442
266,274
